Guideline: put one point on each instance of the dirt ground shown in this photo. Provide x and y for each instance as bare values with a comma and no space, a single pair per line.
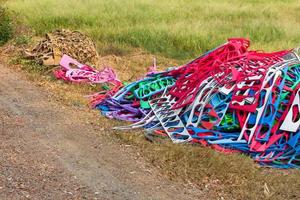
48,152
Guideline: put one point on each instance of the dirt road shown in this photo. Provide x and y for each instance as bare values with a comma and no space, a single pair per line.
46,152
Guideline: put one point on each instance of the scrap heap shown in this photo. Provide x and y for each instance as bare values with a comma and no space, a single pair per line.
230,98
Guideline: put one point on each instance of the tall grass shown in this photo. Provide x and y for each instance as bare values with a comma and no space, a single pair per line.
6,27
179,29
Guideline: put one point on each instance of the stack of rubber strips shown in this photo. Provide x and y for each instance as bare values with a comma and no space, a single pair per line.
230,98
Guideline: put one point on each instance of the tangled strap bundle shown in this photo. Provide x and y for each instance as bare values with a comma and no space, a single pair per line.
72,70
84,73
230,98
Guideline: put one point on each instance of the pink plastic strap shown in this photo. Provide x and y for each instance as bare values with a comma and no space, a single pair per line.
66,62
84,73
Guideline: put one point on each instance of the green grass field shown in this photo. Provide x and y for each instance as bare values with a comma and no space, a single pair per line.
180,30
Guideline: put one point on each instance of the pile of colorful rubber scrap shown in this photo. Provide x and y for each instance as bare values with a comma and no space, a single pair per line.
230,98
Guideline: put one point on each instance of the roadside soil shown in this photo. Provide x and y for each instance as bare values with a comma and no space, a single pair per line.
48,151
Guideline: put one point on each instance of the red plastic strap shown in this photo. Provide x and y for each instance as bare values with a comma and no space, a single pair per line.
276,133
223,60
99,97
